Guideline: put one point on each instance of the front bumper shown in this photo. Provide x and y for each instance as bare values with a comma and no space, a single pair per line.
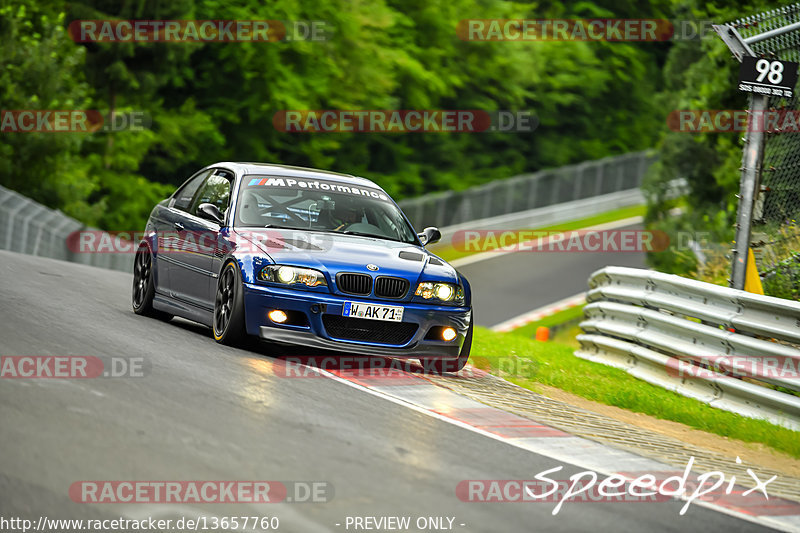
260,300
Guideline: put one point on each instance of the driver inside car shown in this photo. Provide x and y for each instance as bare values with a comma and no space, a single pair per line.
345,215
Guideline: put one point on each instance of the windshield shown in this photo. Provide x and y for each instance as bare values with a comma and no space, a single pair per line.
319,205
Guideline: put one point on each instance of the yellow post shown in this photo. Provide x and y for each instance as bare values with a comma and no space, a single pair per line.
752,281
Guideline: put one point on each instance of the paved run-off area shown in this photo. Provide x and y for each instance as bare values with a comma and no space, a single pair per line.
207,412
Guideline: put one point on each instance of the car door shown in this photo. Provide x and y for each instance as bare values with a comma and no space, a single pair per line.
164,222
191,274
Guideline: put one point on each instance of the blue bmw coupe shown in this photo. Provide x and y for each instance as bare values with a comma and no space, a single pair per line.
302,257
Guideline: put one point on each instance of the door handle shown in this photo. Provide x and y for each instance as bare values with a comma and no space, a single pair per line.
179,226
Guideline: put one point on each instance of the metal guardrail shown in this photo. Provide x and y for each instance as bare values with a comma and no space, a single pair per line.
30,228
546,216
729,348
529,191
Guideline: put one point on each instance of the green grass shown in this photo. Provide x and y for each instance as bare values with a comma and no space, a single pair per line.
449,252
529,363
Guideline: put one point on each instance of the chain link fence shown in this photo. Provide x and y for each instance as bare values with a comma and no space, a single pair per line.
775,237
529,191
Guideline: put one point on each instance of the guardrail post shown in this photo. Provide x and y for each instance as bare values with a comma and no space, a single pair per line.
751,162
643,165
598,180
533,190
748,185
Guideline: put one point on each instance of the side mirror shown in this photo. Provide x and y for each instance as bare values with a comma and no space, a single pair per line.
430,235
210,212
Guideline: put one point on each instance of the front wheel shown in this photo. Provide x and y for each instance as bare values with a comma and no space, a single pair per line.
144,287
441,366
229,307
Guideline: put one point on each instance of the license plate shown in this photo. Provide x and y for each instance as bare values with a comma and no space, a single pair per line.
390,313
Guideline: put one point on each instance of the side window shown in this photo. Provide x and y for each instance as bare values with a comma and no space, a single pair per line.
216,190
183,198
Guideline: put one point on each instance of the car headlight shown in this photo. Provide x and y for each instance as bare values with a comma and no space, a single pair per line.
289,275
445,292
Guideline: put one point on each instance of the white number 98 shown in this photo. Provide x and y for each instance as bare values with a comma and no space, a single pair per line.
772,70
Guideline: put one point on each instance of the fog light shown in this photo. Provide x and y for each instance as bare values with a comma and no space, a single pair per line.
277,316
448,334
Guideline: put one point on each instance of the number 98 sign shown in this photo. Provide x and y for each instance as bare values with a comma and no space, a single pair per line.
769,77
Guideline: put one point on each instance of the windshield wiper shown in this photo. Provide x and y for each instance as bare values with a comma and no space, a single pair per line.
278,226
362,234
346,232
316,230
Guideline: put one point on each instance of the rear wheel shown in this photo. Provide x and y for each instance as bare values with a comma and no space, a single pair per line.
229,307
441,366
144,287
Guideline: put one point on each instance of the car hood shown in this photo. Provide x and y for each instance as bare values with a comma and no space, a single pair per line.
334,253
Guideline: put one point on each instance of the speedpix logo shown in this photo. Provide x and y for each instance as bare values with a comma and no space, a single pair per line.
587,487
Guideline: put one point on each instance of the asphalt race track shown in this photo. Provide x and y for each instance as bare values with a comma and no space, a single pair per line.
509,285
207,412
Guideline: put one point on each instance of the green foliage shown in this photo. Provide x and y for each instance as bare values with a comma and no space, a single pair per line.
784,280
40,68
94,177
707,230
216,101
698,75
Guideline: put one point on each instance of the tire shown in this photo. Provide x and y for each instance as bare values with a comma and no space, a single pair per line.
441,366
144,287
228,324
